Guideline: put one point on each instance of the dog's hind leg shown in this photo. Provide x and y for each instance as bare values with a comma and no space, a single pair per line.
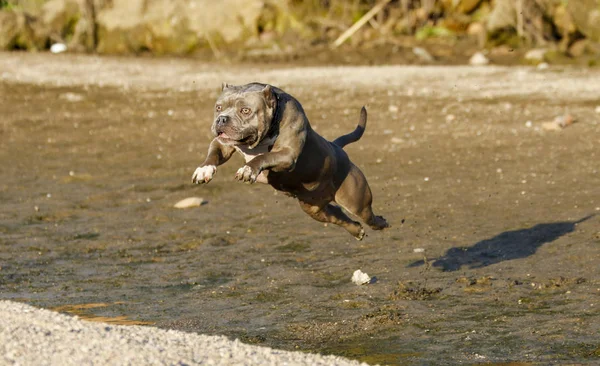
334,215
355,196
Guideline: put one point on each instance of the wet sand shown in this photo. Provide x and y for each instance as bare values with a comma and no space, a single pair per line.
494,247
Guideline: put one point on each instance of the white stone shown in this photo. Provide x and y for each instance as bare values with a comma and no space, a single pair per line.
423,54
360,278
543,66
536,54
478,59
58,48
190,202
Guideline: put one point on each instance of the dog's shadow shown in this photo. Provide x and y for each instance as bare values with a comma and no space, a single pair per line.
503,247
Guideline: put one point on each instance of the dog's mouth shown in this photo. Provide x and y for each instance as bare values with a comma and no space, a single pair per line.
226,139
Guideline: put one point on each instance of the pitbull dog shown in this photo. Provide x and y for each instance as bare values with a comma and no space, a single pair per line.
270,129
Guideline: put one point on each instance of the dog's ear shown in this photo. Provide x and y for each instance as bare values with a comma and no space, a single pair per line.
270,97
224,86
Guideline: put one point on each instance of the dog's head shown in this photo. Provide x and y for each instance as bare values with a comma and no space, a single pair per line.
243,114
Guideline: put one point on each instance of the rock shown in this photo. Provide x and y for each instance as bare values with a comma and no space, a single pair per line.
21,31
564,121
536,55
467,6
559,123
9,30
58,48
578,48
543,66
563,20
550,126
190,202
503,50
477,30
503,15
360,278
72,22
60,16
57,21
461,6
586,17
423,54
478,59
72,97
174,27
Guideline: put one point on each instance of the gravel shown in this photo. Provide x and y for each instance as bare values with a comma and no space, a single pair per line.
189,74
31,336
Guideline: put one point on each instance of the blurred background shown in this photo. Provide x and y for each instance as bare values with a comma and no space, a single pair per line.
312,31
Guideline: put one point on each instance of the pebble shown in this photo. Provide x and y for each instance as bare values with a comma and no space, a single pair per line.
478,59
393,108
536,54
58,48
543,66
419,250
475,28
190,202
597,110
360,278
559,123
423,54
72,97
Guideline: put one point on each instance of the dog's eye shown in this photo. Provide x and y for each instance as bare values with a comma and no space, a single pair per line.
245,110
218,108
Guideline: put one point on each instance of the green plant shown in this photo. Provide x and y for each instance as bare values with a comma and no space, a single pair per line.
433,32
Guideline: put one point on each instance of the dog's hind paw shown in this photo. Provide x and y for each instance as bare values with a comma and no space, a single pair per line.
379,223
360,235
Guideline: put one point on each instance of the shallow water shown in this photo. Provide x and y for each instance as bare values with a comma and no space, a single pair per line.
508,271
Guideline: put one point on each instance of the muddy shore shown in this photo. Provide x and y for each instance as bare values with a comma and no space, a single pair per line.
495,241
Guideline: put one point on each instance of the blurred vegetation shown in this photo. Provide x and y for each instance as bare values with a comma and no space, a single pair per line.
271,27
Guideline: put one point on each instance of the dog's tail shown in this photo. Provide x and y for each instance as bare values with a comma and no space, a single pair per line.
356,134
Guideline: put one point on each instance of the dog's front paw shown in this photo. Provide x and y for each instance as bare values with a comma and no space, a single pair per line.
204,174
247,174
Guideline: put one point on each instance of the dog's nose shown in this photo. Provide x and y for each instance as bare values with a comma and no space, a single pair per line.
222,120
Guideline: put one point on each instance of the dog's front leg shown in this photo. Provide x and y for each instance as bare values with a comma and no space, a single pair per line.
217,154
277,161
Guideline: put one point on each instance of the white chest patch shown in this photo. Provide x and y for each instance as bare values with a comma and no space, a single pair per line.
260,149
